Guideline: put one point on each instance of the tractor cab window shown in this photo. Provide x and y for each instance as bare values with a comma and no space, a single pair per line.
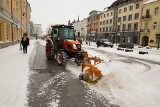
54,35
66,33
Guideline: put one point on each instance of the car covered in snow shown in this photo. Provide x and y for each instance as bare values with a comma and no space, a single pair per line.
126,45
104,42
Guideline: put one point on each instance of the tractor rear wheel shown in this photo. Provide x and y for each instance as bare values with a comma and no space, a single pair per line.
61,58
48,51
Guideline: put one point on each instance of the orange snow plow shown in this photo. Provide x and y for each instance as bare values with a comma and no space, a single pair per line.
90,73
62,46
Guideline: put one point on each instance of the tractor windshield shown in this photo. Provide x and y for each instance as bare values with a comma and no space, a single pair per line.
66,33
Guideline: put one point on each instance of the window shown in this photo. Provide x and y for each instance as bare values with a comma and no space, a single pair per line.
120,10
129,26
103,29
154,25
156,11
111,13
130,7
136,16
129,39
119,19
110,21
104,15
100,30
110,29
106,29
124,27
119,27
8,5
137,6
130,17
106,21
148,13
100,22
103,22
151,41
5,31
107,14
124,18
146,27
125,9
135,26
1,2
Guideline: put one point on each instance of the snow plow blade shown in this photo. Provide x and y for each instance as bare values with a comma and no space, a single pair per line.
90,73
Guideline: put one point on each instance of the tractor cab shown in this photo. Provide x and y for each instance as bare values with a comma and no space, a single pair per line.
60,33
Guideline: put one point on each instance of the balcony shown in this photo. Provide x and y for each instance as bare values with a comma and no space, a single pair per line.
158,32
146,17
144,30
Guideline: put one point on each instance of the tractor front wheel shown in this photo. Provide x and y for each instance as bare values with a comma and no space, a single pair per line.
61,58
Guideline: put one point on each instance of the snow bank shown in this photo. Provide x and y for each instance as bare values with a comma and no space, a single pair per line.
14,69
126,84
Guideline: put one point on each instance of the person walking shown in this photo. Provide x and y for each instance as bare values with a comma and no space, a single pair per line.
158,45
98,43
25,42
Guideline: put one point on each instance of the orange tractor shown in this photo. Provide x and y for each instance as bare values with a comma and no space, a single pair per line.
63,46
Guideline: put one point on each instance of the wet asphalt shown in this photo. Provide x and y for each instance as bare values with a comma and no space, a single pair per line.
51,85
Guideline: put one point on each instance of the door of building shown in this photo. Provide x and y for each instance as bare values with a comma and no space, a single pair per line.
0,32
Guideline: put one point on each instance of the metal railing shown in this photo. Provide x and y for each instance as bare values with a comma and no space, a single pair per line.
145,30
146,17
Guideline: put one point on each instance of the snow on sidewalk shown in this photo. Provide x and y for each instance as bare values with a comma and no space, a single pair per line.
14,70
153,54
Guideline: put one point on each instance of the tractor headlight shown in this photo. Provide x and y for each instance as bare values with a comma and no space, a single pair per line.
74,46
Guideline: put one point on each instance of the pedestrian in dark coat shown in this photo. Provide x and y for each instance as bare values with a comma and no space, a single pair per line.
25,42
158,45
98,43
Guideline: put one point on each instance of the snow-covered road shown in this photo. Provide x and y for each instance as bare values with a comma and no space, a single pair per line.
127,81
130,79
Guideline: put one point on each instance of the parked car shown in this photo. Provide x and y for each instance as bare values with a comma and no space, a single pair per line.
126,45
104,42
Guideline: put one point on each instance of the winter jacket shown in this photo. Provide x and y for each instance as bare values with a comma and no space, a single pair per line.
25,41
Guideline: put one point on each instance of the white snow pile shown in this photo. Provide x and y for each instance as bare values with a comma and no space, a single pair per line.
150,1
127,84
14,70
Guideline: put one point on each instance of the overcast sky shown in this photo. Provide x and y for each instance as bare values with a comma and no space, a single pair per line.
47,12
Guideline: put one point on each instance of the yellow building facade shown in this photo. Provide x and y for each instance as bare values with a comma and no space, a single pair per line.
150,29
13,21
128,22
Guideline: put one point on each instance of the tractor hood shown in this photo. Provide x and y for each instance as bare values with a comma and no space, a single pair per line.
72,41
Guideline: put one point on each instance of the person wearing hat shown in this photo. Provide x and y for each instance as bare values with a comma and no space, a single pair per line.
25,42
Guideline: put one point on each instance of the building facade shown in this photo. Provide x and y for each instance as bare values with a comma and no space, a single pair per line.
80,27
83,30
106,24
150,29
93,25
37,30
128,21
12,21
120,22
